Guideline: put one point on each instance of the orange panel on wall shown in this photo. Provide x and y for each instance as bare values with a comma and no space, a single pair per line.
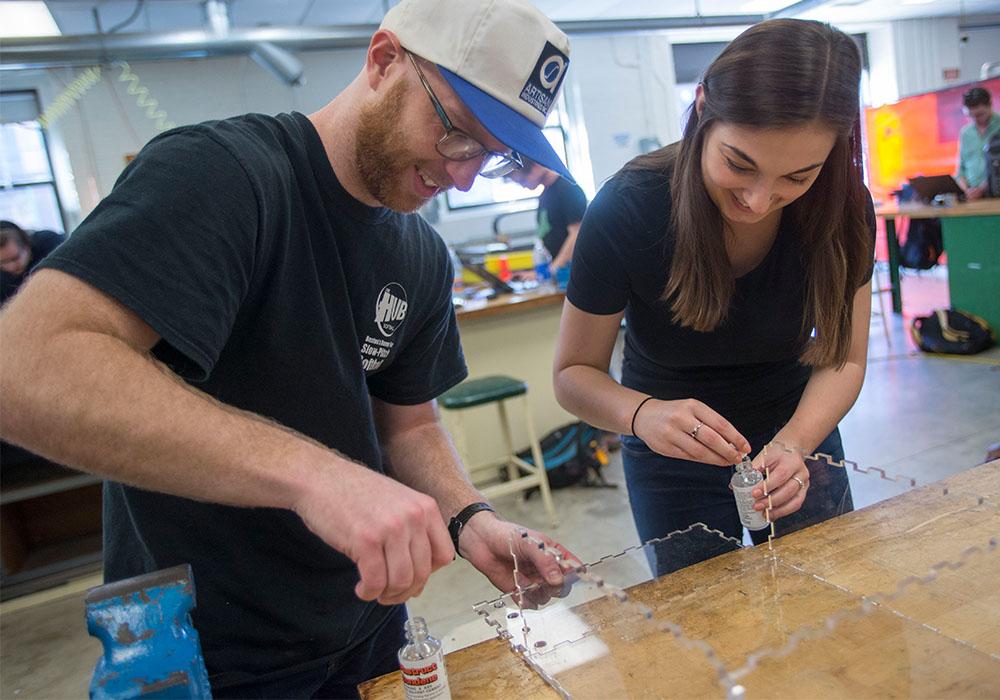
917,136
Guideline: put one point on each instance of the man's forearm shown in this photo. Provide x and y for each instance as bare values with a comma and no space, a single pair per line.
91,401
424,458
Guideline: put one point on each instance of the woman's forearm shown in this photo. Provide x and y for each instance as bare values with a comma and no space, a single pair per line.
827,398
596,398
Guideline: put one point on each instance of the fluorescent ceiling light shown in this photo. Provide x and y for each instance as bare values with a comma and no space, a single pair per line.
26,19
758,7
917,2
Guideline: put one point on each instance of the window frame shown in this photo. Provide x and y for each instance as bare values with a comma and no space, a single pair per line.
51,181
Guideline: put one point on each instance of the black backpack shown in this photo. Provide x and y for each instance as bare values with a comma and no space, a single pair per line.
952,332
573,454
923,246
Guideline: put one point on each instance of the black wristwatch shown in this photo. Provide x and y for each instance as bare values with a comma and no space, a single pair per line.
456,524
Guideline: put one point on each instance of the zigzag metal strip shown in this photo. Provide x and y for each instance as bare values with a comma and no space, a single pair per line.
843,464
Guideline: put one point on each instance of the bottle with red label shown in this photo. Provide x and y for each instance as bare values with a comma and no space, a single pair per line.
421,663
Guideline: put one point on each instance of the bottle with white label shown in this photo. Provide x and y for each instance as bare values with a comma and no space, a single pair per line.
745,480
421,662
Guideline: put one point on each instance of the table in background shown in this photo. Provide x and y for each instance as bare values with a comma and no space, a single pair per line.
862,553
971,233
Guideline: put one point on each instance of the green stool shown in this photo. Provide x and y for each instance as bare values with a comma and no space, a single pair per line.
521,475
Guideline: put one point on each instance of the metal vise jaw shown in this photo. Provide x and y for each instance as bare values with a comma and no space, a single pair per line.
151,648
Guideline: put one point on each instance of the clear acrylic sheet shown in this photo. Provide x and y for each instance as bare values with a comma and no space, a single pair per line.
877,618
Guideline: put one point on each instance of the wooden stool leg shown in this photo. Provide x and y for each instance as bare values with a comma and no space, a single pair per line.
508,441
536,452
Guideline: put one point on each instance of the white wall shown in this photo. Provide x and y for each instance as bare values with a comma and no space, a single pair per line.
983,46
925,48
626,86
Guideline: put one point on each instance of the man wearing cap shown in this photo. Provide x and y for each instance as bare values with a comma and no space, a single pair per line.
246,338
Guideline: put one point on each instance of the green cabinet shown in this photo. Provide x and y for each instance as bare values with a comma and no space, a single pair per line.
973,247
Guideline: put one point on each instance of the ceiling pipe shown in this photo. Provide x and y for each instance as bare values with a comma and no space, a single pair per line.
46,52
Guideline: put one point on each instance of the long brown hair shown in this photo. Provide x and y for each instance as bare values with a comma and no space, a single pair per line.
778,73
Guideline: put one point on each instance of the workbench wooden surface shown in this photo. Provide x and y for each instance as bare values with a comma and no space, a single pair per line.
979,207
939,638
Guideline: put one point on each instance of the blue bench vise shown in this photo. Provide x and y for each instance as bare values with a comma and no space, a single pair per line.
151,648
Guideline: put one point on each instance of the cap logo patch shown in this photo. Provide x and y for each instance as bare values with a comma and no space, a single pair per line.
544,81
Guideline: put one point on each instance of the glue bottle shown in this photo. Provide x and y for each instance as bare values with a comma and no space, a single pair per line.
421,662
745,480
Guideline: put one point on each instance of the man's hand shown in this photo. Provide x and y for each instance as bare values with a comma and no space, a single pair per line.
394,534
974,193
787,482
485,542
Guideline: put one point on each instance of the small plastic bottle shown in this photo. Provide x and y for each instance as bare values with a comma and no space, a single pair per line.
745,480
542,261
421,662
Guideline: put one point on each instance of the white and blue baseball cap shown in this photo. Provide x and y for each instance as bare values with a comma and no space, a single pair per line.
504,59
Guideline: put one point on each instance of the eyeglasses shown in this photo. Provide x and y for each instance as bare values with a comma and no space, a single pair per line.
458,146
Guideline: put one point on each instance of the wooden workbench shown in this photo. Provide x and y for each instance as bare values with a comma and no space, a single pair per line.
937,639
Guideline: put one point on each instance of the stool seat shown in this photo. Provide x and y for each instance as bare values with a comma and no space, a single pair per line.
476,392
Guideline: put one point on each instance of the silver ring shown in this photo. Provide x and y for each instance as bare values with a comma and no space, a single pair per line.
694,433
801,483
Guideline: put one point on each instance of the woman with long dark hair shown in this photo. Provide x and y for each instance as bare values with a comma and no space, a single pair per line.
741,259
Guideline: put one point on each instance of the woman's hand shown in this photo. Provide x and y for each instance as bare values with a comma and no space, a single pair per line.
690,430
787,481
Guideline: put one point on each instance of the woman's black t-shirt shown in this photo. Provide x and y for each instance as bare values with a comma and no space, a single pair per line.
748,368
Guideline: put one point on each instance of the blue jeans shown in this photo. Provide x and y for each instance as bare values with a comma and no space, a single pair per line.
668,494
337,679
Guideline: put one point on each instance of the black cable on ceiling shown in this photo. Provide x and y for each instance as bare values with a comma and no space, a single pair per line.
131,18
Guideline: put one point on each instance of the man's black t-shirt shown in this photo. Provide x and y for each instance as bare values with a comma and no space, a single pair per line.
748,368
562,203
276,292
41,243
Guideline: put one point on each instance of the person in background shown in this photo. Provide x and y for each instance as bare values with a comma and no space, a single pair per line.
985,124
560,209
20,252
741,258
247,336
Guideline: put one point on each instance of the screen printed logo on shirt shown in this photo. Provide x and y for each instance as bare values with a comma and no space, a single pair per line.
390,309
390,312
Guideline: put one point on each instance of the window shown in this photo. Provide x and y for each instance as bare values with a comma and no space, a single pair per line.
485,191
28,195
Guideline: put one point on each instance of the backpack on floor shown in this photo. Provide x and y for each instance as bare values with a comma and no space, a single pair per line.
924,244
573,454
952,332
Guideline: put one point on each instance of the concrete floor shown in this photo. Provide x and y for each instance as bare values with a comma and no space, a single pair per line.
917,415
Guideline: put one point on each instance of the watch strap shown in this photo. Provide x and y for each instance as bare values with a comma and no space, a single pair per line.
456,524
